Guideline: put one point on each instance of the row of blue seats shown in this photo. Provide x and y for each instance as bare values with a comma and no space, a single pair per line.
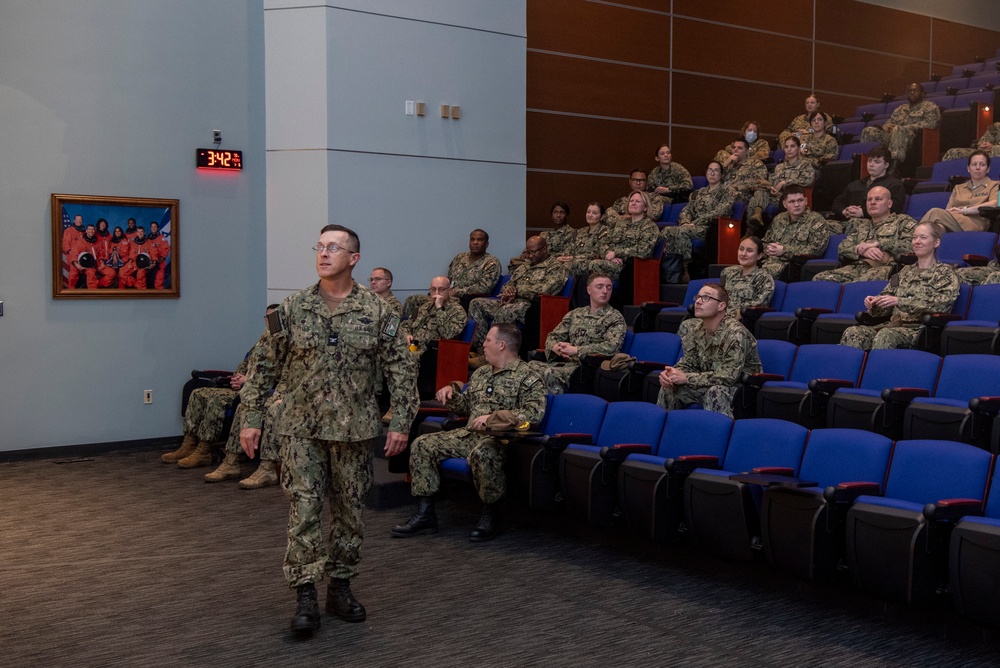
805,499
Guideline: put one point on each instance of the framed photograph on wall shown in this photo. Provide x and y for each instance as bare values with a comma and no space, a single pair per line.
114,247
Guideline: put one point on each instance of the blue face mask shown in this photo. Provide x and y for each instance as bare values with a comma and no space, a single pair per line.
751,136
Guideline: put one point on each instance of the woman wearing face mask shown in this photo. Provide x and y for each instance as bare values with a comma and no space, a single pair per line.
962,212
818,147
758,147
746,283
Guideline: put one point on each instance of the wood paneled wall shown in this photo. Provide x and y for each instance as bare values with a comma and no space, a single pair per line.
609,82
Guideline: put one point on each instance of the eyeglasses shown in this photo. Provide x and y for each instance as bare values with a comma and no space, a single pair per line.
331,248
705,298
638,180
713,170
376,279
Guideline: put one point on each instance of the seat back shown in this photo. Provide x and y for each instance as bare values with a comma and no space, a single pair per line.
573,413
852,298
924,471
848,151
662,347
874,108
835,455
467,332
695,285
992,508
961,306
984,303
966,376
631,422
954,246
694,432
900,367
921,203
499,286
815,294
776,356
779,293
966,100
765,442
943,170
827,360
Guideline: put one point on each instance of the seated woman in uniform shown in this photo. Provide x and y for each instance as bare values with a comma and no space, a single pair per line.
589,243
794,170
634,236
818,147
757,147
747,283
559,237
925,287
962,212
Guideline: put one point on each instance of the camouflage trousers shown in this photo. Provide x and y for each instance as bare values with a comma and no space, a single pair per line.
965,153
762,198
612,269
489,312
677,239
975,275
874,338
898,141
485,455
313,470
717,398
268,448
555,375
206,411
856,271
773,266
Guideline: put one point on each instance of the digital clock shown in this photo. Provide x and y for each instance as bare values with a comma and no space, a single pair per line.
210,158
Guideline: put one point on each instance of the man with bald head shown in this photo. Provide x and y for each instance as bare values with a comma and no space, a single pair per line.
906,120
440,317
873,245
540,274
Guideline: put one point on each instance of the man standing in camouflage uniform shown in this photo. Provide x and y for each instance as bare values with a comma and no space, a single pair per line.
380,282
717,351
472,272
541,274
618,211
742,173
989,143
597,329
506,391
668,177
326,343
871,248
796,231
898,132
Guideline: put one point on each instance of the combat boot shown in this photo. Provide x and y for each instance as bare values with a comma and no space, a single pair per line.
755,222
202,456
425,521
264,476
341,602
188,446
229,469
488,527
306,618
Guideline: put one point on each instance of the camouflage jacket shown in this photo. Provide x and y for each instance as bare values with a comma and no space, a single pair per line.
817,149
430,322
328,361
393,303
719,359
706,205
560,239
600,333
924,114
760,151
806,236
992,135
634,239
801,173
545,278
754,289
675,177
894,236
473,276
516,387
591,242
745,177
920,291
618,211
801,123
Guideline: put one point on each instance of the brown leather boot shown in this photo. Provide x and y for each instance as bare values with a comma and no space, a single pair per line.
264,476
202,456
188,446
229,469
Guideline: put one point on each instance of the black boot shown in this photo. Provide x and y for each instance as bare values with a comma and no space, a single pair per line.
306,619
671,268
425,521
341,602
488,527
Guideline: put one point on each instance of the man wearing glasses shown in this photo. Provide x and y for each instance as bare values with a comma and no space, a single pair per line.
380,282
327,343
717,352
637,181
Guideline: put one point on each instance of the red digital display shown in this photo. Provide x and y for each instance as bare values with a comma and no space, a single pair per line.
210,158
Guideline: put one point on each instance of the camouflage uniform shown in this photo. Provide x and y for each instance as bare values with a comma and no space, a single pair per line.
991,278
515,388
559,239
801,127
329,418
430,322
545,278
618,212
908,119
760,150
754,289
468,276
704,206
600,333
675,177
628,239
207,406
806,236
745,177
268,442
992,135
920,291
800,173
895,237
965,195
820,149
590,243
980,275
393,303
714,365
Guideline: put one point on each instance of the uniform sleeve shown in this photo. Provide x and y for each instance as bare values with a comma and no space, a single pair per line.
558,334
936,293
728,368
846,250
902,241
611,343
459,402
531,407
263,370
400,369
550,283
763,288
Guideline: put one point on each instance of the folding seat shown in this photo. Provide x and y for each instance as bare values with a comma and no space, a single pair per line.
533,463
670,318
444,361
966,381
895,548
721,502
921,203
984,79
650,485
852,128
968,69
750,314
652,352
588,482
966,100
955,247
828,261
776,359
813,296
974,562
977,333
874,108
829,327
934,323
895,104
887,373
790,399
802,528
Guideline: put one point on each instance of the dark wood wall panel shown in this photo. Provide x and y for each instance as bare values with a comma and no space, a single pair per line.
865,73
558,83
953,42
719,103
592,144
695,148
544,188
599,31
871,27
788,17
709,48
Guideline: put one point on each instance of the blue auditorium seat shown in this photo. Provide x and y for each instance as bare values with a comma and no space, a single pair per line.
789,399
652,351
977,333
974,562
829,327
817,296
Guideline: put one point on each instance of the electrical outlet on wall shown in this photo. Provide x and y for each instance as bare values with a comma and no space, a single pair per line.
147,396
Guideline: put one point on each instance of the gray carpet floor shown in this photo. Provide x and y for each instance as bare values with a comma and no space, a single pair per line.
120,560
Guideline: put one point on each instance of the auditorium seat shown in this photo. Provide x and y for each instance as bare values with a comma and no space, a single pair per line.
977,333
789,399
974,562
814,297
776,359
829,327
652,351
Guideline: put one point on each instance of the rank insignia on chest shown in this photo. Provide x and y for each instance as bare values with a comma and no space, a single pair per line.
332,339
390,328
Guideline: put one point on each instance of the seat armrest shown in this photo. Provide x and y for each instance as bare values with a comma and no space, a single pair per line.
847,492
774,470
688,463
556,443
536,355
828,385
770,480
903,395
939,320
652,308
866,318
755,311
647,367
810,313
210,373
619,451
758,379
984,404
802,259
952,510
594,360
974,260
